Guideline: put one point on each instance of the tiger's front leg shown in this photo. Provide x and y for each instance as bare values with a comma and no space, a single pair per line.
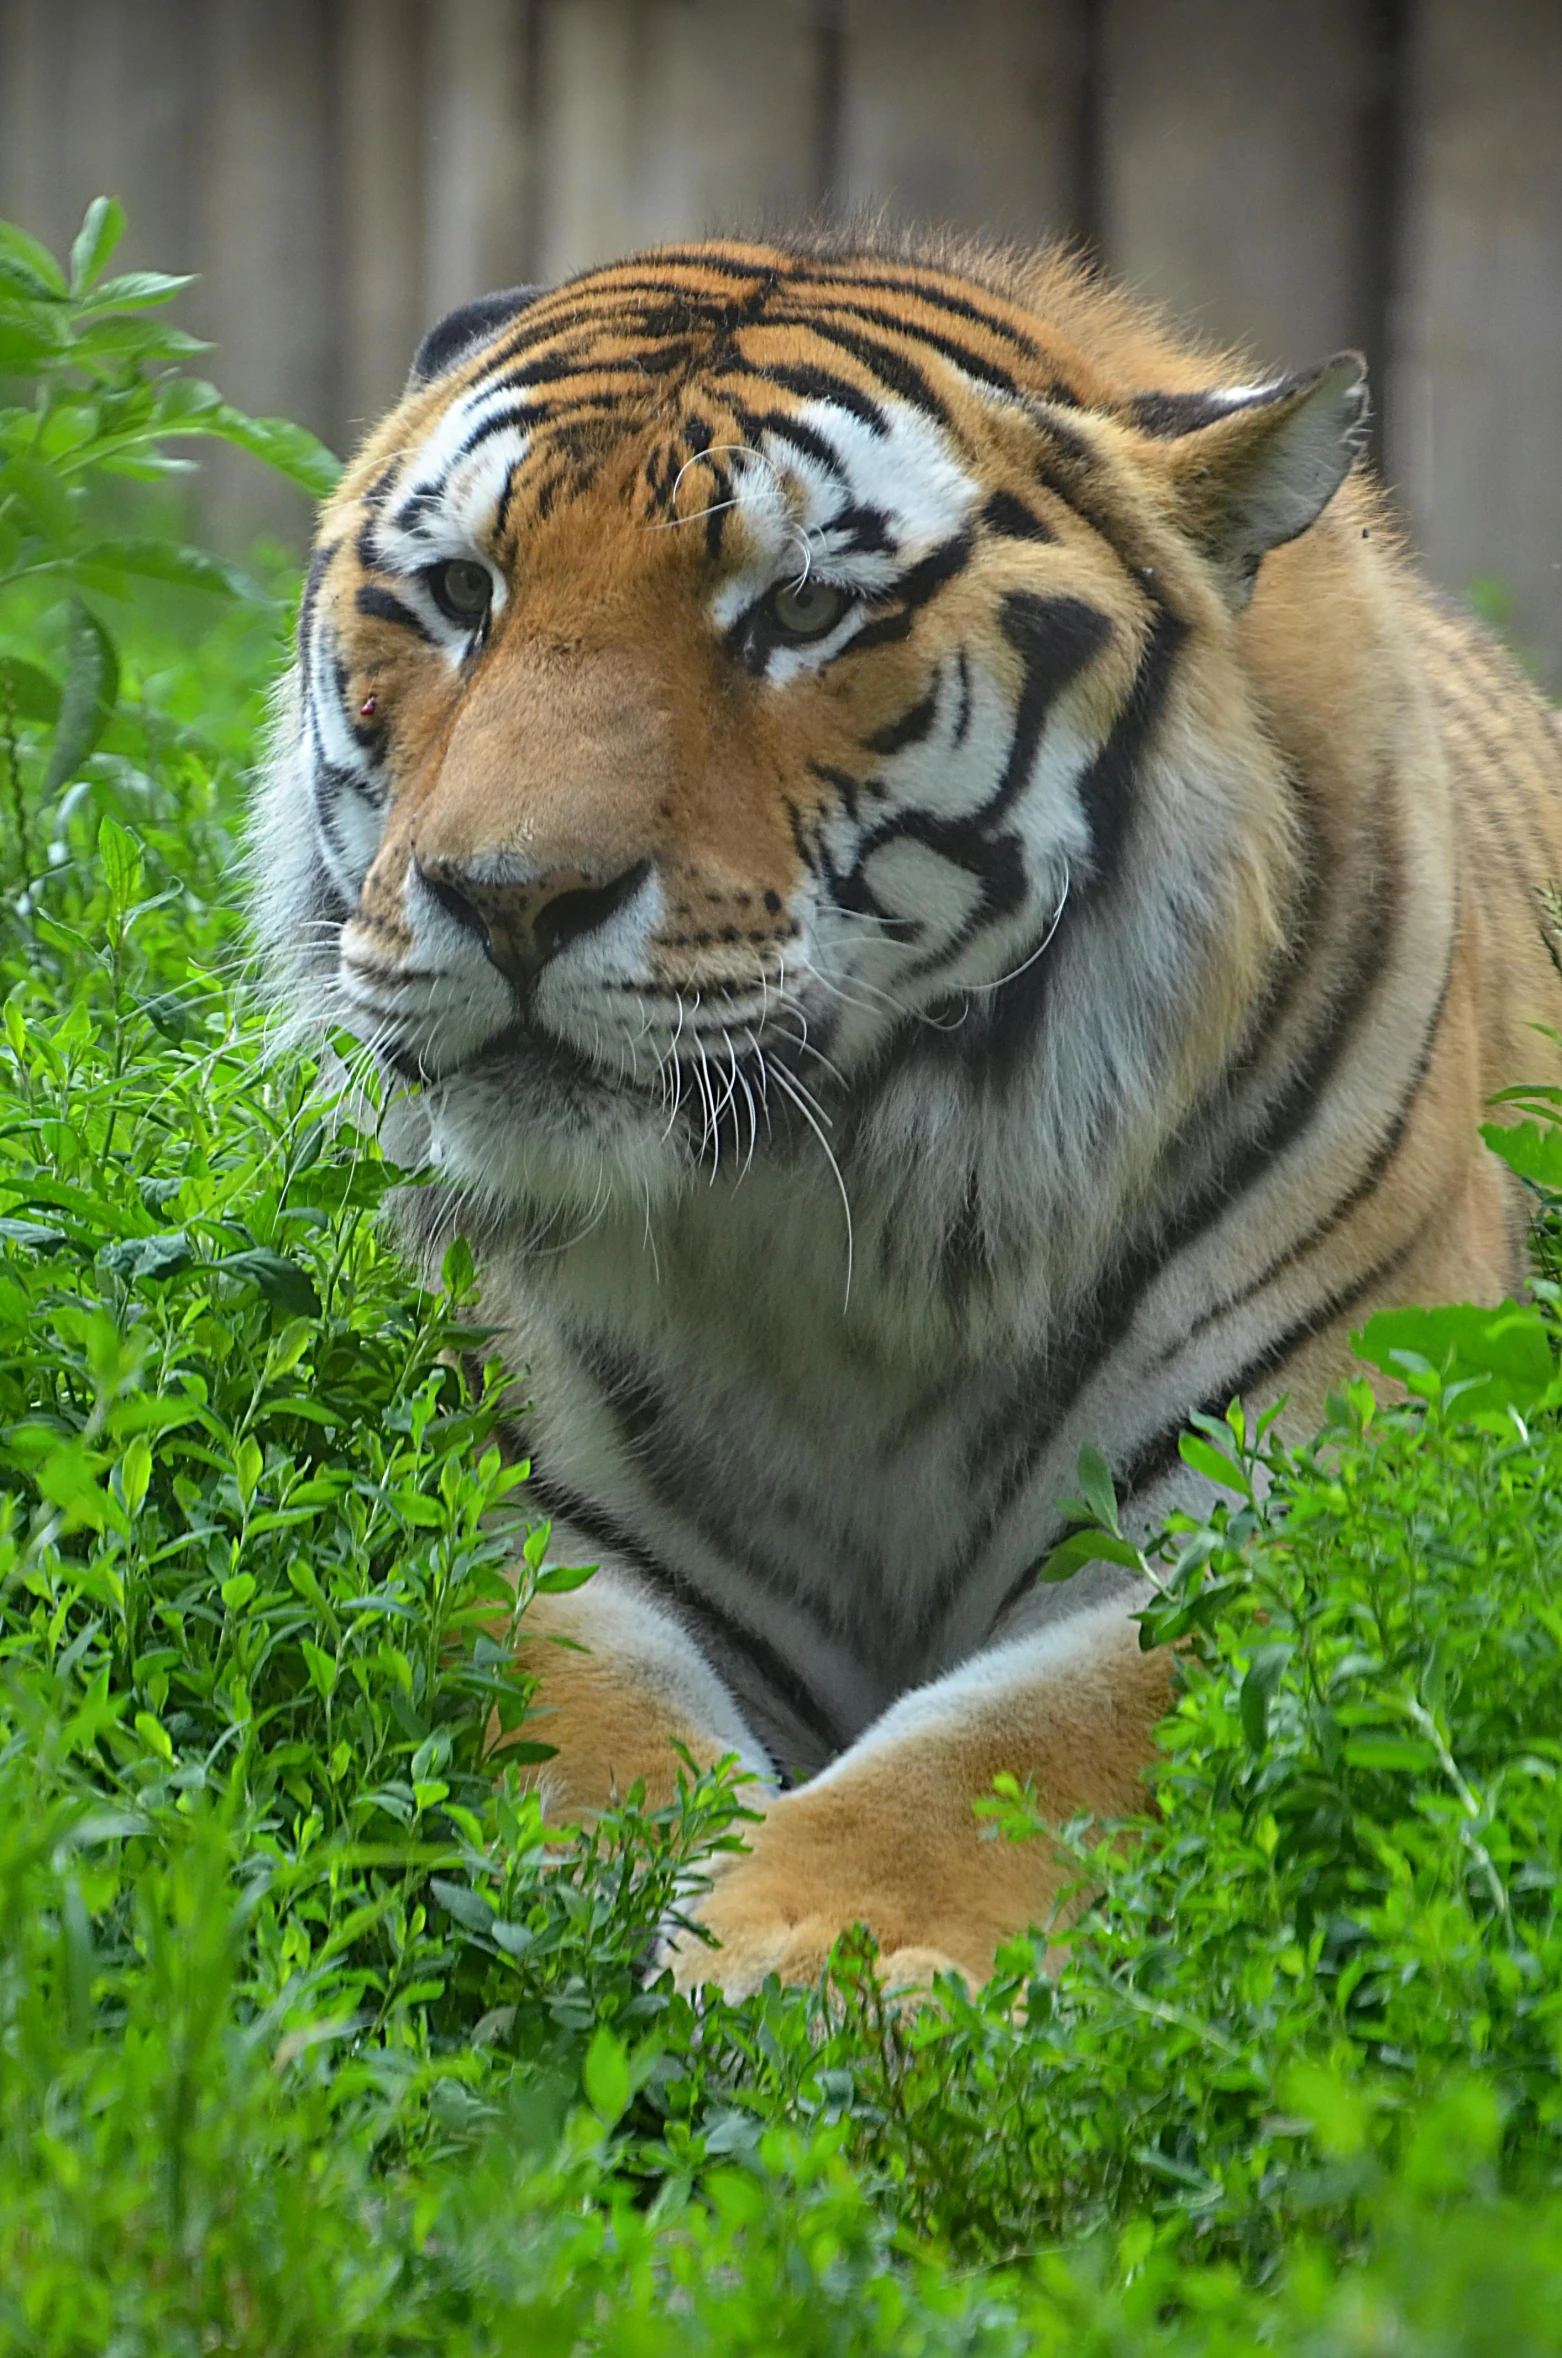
887,1836
620,1685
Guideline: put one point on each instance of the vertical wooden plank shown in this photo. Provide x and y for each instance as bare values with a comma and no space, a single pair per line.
729,97
588,132
967,116
481,231
1232,166
35,48
101,99
1475,446
383,132
670,118
272,293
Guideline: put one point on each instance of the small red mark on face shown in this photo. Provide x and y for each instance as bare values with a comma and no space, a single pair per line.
369,707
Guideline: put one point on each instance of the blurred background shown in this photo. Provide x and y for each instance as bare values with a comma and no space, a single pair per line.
1295,175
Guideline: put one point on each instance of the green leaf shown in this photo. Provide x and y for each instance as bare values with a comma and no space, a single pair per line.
33,1234
559,1579
1535,1153
279,1278
139,289
292,450
1264,1675
38,496
249,1461
28,692
119,859
135,1473
1089,1547
467,1907
605,2076
28,339
96,239
135,1257
22,273
1213,1464
105,561
1507,1349
322,1667
1095,1482
91,692
154,1735
19,252
95,1212
134,335
1408,1755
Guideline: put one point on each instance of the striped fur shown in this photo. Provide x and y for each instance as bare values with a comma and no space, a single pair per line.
1051,986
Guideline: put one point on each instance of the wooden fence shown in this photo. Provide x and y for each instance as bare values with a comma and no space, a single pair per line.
1295,174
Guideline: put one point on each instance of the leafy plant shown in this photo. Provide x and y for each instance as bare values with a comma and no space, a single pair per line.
108,395
315,2037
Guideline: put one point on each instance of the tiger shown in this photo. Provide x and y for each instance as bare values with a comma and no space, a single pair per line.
933,889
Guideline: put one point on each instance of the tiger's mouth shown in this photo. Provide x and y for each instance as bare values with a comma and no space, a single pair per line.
712,1097
520,1052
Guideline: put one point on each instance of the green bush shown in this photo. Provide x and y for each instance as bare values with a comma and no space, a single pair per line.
312,2039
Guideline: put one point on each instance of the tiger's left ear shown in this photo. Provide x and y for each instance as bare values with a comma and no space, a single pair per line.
1254,466
463,332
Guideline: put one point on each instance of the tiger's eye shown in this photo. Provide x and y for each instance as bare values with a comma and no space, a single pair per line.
462,589
808,608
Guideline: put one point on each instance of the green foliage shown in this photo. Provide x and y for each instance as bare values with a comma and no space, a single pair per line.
315,2038
95,392
1341,1938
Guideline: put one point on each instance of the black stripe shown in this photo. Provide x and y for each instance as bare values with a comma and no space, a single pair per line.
1155,1457
734,1636
849,789
753,423
813,383
1382,1155
1165,416
912,592
1047,1392
326,780
1010,517
924,287
1370,942
894,369
506,496
1106,791
501,421
385,606
1055,638
633,274
910,729
319,563
963,714
969,363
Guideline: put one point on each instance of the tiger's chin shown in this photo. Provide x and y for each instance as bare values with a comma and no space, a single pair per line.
550,1141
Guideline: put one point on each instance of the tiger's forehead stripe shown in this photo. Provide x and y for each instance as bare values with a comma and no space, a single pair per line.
667,308
548,425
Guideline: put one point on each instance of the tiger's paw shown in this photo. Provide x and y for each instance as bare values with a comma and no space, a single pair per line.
781,1906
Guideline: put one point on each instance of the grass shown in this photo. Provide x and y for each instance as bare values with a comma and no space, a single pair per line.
312,2039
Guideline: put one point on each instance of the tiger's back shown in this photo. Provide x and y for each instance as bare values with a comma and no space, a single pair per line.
948,895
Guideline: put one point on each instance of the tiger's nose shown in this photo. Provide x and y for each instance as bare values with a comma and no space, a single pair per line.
523,926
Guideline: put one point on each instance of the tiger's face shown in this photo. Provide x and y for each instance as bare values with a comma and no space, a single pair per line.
723,663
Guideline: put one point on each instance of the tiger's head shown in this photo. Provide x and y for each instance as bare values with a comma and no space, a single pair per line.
740,685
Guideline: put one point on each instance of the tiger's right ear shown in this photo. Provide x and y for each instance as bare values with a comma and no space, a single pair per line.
465,331
1252,466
